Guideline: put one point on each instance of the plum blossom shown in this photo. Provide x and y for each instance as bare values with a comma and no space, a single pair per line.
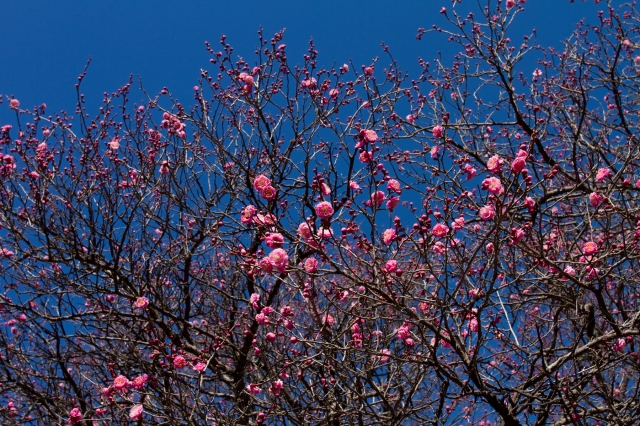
266,265
254,301
310,265
369,135
136,412
493,185
324,210
440,230
261,182
391,266
590,248
494,165
389,236
279,258
328,320
274,240
179,362
247,214
393,202
253,388
603,174
138,382
619,345
470,170
141,302
394,186
304,230
268,192
75,416
276,387
458,224
519,164
487,212
437,131
595,199
120,382
377,198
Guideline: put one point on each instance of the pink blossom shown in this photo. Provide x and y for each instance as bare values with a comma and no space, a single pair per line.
595,199
437,131
394,186
619,345
530,204
518,164
440,230
434,151
253,388
120,382
393,202
495,164
473,325
262,319
141,302
389,236
274,240
369,136
439,248
510,4
475,293
324,232
304,230
365,156
328,320
354,185
493,185
333,93
266,265
458,224
308,83
164,168
200,366
179,362
75,416
324,210
487,212
136,412
279,259
377,198
391,265
138,382
470,170
310,265
261,182
590,248
114,144
265,219
603,174
254,301
385,357
247,214
517,234
268,192
271,337
570,271
276,387
325,189
489,248
13,104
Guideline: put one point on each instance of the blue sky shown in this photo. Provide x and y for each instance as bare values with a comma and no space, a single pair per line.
45,44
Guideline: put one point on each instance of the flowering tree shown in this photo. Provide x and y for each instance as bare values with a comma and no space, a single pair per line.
344,245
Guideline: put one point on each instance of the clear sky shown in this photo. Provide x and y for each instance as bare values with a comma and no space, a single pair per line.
44,45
